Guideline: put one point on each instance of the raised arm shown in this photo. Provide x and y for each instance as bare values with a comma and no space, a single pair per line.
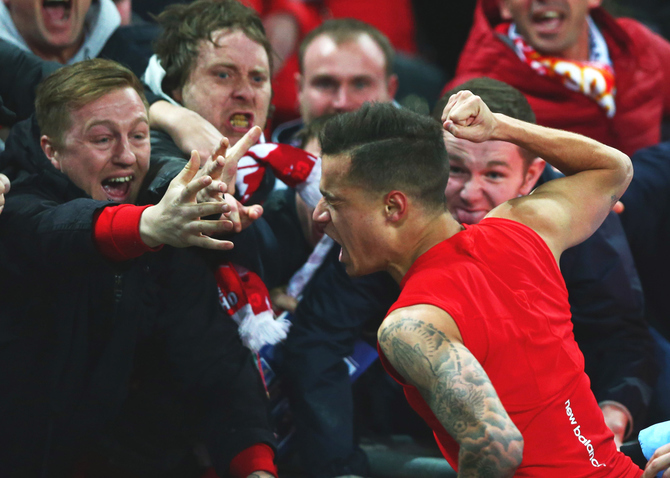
565,211
188,129
422,343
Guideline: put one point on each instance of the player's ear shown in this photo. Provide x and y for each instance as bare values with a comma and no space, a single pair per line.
50,150
533,173
392,86
176,95
395,206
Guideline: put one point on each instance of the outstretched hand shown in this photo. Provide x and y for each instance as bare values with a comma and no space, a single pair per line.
175,220
466,116
659,461
241,216
222,166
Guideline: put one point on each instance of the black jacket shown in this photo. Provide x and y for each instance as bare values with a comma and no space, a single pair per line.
74,329
20,74
646,221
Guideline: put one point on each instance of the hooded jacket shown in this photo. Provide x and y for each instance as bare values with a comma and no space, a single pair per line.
641,61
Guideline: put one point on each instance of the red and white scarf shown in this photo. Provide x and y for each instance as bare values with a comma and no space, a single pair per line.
242,293
295,167
594,78
246,300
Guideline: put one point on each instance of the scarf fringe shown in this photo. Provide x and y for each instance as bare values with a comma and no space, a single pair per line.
262,329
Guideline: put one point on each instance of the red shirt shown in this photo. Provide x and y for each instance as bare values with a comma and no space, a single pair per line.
500,283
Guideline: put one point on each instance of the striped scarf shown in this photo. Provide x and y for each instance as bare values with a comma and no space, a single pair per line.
594,78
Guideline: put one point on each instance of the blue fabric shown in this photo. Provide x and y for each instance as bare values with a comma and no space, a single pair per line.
654,437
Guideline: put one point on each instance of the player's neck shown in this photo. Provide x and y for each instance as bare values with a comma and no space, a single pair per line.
421,238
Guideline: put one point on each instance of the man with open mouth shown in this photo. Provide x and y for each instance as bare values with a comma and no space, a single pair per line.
606,300
580,69
480,338
65,31
97,316
214,63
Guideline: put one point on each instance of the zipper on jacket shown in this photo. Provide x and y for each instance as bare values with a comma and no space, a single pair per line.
118,289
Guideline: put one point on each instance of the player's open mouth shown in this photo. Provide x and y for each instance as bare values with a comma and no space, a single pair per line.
242,121
118,189
57,12
548,21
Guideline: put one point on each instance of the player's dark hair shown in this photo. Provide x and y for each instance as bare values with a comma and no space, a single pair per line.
391,149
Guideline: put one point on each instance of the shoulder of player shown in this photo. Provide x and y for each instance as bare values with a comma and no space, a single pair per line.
539,211
419,319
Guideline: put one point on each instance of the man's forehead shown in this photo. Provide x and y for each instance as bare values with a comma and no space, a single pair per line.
334,166
334,169
225,48
118,106
359,54
489,153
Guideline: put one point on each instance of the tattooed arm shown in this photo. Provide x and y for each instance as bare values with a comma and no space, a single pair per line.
424,346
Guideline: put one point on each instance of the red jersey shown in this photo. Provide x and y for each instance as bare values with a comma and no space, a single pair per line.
500,283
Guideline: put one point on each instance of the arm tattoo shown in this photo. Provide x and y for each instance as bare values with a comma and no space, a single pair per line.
459,393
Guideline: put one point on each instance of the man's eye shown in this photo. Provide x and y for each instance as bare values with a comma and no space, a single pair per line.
456,170
223,75
325,84
103,140
259,79
494,175
361,84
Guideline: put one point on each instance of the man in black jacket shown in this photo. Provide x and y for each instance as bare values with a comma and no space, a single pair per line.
97,315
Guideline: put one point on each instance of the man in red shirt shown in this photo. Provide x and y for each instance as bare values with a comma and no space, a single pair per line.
477,370
604,290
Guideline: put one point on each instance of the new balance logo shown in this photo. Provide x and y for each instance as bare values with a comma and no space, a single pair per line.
582,439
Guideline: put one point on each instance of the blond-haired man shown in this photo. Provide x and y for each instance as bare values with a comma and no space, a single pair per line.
90,297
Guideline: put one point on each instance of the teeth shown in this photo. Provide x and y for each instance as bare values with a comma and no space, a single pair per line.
124,179
550,15
239,121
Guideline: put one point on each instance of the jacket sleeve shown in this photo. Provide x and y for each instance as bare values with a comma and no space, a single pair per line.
45,235
204,348
20,74
607,307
